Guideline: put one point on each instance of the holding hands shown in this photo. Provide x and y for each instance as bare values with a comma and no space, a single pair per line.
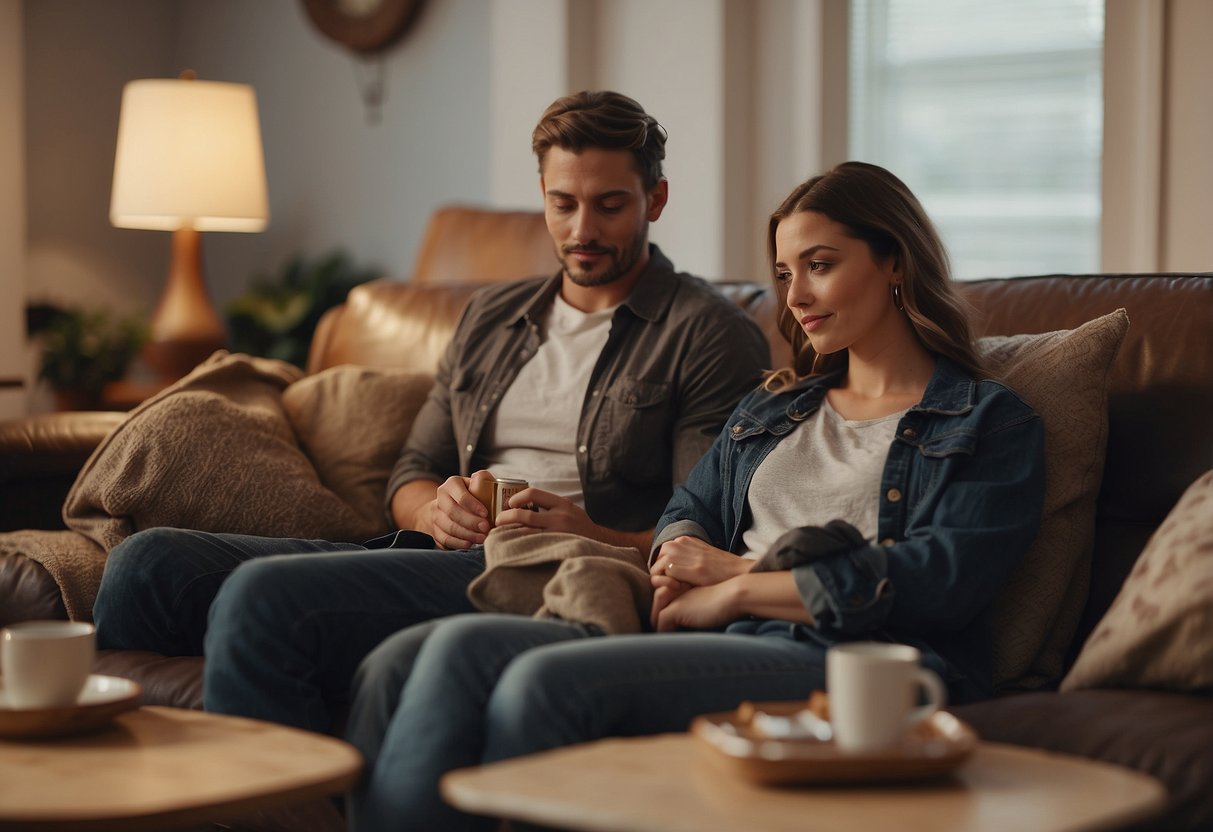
691,585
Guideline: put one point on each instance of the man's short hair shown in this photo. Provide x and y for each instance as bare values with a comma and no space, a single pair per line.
606,120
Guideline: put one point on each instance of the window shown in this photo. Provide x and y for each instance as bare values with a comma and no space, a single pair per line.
992,113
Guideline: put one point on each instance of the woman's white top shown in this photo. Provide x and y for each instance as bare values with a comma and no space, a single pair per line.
827,468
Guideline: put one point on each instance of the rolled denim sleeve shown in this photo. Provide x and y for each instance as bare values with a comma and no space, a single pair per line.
679,528
849,594
693,507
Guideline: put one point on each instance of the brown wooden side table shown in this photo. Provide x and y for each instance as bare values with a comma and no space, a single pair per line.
159,768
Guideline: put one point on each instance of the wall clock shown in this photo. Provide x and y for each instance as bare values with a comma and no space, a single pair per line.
365,26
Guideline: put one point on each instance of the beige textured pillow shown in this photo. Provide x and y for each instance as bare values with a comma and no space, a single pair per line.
1158,633
352,422
213,452
1063,375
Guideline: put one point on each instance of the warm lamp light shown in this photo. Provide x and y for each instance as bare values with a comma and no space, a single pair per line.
189,159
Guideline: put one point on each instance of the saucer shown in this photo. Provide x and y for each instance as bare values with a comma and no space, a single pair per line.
103,698
936,746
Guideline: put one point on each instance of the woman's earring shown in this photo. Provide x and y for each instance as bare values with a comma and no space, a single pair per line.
901,307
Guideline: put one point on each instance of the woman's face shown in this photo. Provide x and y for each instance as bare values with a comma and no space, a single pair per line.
839,294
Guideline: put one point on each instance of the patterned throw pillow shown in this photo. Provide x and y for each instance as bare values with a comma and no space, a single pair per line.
1064,377
1158,633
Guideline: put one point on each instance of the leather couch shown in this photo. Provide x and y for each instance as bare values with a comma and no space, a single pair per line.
1159,442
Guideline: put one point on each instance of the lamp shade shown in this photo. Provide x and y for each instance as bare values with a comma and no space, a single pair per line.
189,155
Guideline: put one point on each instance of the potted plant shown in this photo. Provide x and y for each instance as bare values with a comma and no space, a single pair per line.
83,350
277,316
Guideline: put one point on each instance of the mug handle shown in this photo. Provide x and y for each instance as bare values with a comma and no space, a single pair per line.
937,696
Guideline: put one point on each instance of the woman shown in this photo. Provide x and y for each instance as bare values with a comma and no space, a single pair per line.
886,421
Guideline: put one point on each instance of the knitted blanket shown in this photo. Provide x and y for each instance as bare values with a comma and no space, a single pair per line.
560,575
242,445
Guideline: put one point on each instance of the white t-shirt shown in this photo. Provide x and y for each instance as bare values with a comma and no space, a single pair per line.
827,468
532,435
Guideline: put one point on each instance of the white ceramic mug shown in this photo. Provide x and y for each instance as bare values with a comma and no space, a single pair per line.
873,689
45,663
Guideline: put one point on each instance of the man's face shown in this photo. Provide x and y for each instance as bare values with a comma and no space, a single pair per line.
598,213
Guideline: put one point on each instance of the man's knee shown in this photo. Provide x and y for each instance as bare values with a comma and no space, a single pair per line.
143,558
139,565
137,587
255,587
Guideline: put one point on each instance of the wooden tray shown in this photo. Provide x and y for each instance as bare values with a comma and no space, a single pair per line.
937,746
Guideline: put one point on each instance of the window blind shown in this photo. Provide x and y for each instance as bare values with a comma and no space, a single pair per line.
992,113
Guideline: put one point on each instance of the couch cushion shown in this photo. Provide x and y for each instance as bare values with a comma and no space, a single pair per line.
352,422
1063,375
1158,633
1166,735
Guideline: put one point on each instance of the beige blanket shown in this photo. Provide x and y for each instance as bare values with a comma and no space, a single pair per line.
214,452
239,445
74,561
559,575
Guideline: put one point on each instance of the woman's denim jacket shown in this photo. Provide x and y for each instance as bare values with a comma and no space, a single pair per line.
960,502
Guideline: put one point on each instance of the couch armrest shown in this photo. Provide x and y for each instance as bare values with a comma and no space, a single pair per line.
39,459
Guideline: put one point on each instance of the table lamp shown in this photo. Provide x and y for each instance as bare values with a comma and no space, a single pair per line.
189,160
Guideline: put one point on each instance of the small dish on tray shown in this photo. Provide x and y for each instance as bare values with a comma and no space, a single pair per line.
936,746
103,698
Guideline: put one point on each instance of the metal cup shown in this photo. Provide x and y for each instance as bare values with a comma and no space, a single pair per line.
496,494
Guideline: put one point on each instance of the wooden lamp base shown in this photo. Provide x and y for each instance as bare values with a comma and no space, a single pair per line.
185,329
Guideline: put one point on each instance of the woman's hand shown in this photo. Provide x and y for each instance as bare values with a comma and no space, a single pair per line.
694,562
695,608
684,565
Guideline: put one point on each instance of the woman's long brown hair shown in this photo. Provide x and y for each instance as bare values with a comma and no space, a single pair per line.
877,207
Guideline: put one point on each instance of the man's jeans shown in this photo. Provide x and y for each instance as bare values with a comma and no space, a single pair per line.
282,623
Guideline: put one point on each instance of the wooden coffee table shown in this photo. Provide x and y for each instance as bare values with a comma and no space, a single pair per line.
663,784
155,768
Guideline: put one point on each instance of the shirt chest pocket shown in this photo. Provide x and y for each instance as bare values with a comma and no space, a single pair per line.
638,417
952,443
464,392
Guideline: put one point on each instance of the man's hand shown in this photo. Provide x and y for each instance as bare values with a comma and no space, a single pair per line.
555,514
455,518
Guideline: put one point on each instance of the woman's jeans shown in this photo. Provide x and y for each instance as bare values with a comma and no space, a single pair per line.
282,623
477,688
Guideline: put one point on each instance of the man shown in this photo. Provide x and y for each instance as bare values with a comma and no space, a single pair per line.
601,386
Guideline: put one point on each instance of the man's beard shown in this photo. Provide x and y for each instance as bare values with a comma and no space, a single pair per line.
620,264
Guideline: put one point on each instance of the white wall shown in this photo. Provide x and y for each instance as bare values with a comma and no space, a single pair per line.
530,67
1187,237
12,212
78,55
335,179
